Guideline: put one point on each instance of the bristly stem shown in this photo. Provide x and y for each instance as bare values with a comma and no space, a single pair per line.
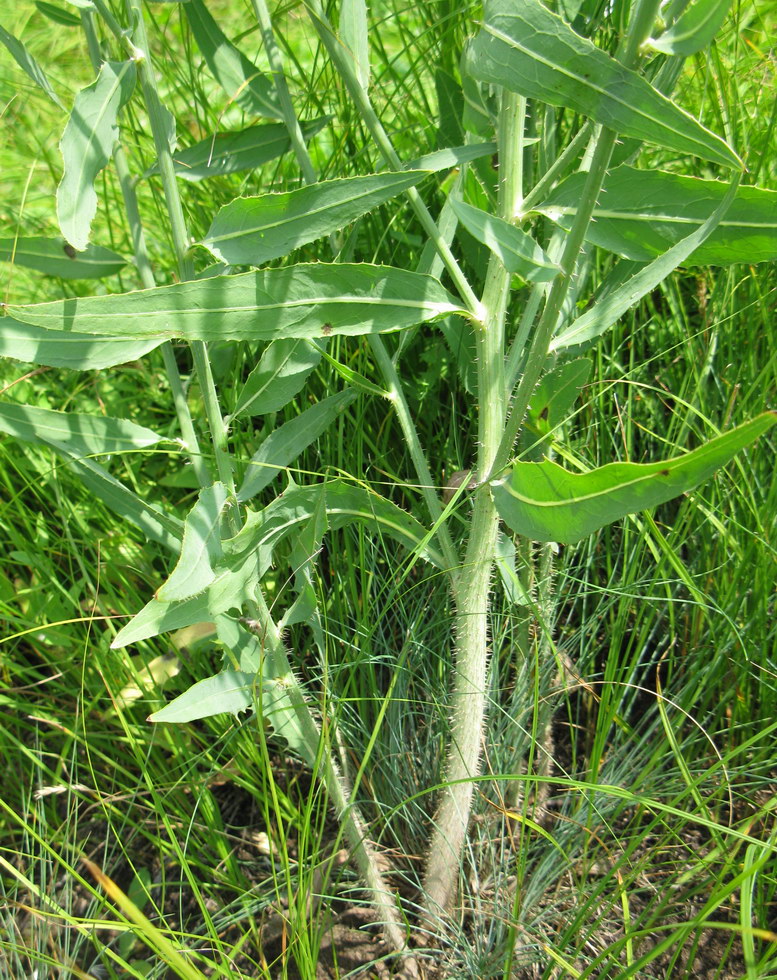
468,707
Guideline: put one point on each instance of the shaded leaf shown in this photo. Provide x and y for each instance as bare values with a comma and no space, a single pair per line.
530,50
81,352
285,444
311,301
606,311
229,153
28,64
517,251
54,257
200,548
242,81
253,230
280,374
78,434
545,502
641,213
58,14
86,146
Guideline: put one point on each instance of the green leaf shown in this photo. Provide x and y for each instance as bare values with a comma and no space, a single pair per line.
280,374
253,230
311,301
544,502
249,649
58,14
201,546
529,50
505,564
241,80
54,257
81,352
78,434
86,147
641,213
556,393
229,692
517,251
606,311
283,445
307,545
152,520
354,35
452,156
27,63
694,29
229,153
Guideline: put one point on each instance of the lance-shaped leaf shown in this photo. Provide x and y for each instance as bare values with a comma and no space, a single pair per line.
694,29
283,445
152,520
235,577
641,213
200,548
242,81
307,545
229,153
517,251
234,691
54,257
249,649
530,50
354,35
606,311
77,433
280,374
86,147
545,502
58,14
253,230
311,301
59,348
27,63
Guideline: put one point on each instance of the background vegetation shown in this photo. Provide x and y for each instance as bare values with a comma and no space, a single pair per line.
666,624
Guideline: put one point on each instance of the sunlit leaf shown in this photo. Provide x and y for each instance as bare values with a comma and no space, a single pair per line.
66,349
545,502
281,372
309,300
530,50
641,213
694,29
354,35
86,147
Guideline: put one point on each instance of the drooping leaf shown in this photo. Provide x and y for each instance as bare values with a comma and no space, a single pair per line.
452,156
58,14
28,64
517,251
545,502
254,230
62,348
152,520
79,434
54,257
530,50
694,29
606,311
641,213
282,446
229,153
242,81
280,374
311,301
307,545
200,548
86,147
354,35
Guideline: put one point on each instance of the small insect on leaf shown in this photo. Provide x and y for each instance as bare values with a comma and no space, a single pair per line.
69,251
326,329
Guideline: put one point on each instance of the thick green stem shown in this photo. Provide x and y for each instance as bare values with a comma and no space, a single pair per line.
469,702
